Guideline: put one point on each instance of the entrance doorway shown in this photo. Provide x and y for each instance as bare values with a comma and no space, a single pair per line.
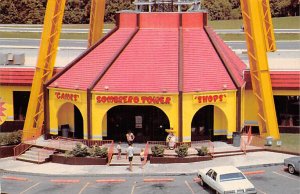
203,123
70,121
20,99
146,122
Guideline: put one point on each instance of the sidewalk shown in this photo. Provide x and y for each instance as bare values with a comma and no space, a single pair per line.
250,159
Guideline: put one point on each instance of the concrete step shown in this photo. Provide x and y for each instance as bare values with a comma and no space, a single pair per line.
37,149
28,158
36,155
136,161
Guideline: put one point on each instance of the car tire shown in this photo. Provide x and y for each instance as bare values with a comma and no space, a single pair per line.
291,169
201,182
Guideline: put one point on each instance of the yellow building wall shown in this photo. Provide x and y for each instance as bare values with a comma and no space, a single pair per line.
190,107
220,123
251,107
54,109
286,92
99,111
6,95
65,115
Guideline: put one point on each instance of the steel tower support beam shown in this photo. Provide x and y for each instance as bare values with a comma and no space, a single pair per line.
96,21
259,69
44,69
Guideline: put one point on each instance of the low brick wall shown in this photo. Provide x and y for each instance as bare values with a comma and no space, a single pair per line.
165,160
78,160
7,151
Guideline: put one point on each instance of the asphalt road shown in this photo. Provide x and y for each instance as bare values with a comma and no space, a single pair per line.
267,180
24,28
81,44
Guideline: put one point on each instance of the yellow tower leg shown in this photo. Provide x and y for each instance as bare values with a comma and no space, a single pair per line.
96,21
259,68
44,68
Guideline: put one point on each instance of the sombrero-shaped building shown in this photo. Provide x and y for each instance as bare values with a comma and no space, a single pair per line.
153,72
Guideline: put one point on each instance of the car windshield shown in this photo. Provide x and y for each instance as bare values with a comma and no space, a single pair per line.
231,176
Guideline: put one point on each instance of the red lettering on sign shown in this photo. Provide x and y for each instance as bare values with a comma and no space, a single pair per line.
67,96
131,99
210,98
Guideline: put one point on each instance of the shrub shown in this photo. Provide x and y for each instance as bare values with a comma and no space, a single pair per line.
12,138
203,151
80,150
97,151
182,150
158,150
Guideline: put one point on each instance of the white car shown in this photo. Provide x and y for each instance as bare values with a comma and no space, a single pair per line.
225,180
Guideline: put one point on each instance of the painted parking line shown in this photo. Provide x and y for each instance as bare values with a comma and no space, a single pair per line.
159,180
14,178
260,191
110,180
254,172
84,187
65,181
133,187
189,186
196,180
286,176
30,188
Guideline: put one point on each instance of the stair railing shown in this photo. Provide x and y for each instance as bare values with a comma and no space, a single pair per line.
20,149
146,152
110,152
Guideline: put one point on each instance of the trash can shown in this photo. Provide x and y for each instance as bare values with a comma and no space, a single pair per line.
65,130
269,140
236,139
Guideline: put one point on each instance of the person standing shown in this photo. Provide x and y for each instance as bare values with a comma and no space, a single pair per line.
130,137
119,150
142,156
171,139
130,155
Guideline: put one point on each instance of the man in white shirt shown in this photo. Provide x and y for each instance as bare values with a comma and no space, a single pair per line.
130,155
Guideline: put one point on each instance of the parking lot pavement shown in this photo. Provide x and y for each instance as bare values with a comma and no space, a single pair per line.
267,180
274,179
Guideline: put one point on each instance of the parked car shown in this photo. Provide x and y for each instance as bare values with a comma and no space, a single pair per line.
225,180
293,164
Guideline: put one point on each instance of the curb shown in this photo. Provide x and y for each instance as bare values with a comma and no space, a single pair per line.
132,174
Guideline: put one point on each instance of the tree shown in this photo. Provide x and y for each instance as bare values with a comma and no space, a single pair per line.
218,9
280,8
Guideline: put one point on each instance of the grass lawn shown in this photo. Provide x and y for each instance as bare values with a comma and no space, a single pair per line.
37,35
281,36
278,23
290,142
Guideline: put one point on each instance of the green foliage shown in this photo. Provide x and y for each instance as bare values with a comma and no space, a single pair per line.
182,150
158,150
80,150
203,151
78,11
97,151
12,138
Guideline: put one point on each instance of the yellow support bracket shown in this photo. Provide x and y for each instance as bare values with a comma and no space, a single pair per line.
256,33
268,25
96,21
44,69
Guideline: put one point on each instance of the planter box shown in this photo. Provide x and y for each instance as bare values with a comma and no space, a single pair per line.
78,160
174,159
7,151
